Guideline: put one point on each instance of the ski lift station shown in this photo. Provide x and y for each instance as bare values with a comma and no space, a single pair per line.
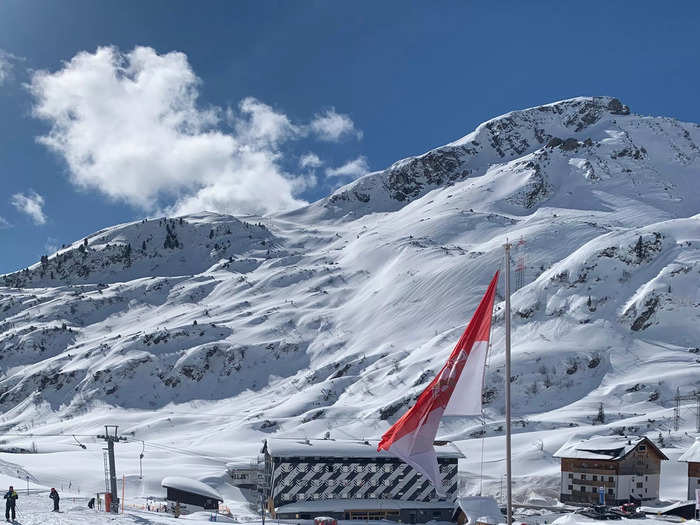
245,474
186,495
305,478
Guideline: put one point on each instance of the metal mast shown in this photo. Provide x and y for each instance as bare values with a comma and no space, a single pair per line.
509,500
110,439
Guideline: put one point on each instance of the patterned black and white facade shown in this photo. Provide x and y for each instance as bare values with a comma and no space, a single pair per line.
312,470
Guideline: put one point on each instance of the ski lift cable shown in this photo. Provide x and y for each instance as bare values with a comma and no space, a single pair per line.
29,434
78,443
185,452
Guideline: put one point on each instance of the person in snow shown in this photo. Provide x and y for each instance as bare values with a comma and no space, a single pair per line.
55,497
91,503
10,503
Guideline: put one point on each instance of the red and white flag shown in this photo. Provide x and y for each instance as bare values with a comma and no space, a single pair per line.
455,391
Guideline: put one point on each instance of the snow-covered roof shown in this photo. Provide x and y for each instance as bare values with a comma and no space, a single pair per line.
340,505
338,448
604,447
692,455
191,485
475,507
243,465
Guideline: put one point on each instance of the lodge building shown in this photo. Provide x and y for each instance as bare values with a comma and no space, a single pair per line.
626,468
351,480
692,457
245,474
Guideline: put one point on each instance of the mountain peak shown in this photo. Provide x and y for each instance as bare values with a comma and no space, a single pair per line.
603,124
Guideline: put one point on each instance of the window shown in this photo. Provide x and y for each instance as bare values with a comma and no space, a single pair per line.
642,447
611,492
571,487
611,479
595,478
571,476
388,467
640,485
437,514
583,489
646,478
583,476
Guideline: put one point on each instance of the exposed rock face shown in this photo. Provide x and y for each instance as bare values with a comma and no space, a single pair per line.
406,180
568,125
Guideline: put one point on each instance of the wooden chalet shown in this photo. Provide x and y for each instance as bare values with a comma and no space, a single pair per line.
624,468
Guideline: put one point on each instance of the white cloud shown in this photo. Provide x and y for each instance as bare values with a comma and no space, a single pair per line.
332,127
32,204
310,160
128,125
263,125
354,168
4,224
6,65
51,245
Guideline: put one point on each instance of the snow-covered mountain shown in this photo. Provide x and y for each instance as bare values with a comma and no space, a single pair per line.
336,315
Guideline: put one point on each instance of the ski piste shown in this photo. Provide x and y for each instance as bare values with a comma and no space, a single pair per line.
455,390
327,319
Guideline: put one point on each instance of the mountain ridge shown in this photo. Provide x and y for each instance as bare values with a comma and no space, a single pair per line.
334,316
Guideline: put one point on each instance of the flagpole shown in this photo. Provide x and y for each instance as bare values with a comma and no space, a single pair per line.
509,499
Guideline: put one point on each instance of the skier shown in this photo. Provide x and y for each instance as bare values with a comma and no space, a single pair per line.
55,497
11,497
91,503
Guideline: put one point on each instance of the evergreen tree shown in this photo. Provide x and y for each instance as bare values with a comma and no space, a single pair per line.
639,248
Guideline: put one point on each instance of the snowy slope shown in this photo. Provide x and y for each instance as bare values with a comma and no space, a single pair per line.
208,332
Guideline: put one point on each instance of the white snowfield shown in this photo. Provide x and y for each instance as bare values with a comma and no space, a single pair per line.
201,335
36,510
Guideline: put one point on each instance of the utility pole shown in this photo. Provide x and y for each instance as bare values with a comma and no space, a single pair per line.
143,447
509,495
110,439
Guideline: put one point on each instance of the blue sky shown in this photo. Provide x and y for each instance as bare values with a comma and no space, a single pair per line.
256,106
